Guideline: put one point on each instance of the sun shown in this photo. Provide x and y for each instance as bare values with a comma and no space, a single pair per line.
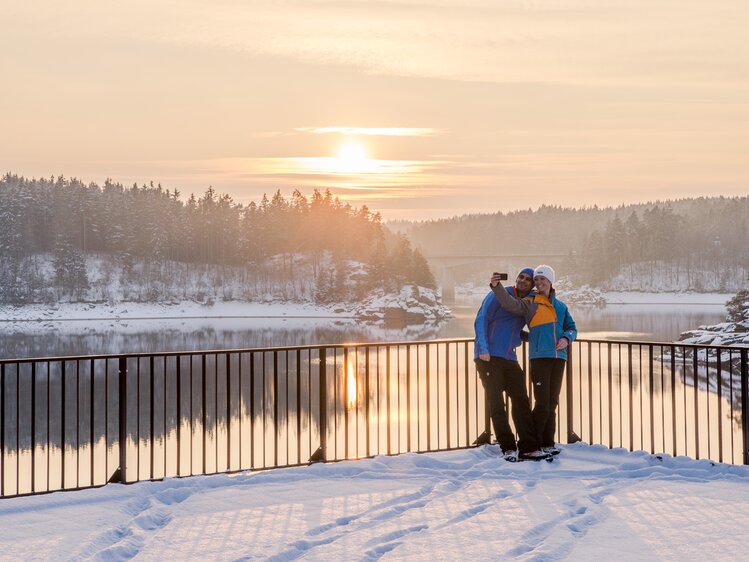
352,158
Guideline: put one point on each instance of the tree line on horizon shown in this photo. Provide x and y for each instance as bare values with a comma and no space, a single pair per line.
692,235
72,221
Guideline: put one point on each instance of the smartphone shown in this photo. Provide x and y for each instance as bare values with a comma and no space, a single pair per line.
502,276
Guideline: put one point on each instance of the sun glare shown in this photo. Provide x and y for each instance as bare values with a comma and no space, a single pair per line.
352,158
352,392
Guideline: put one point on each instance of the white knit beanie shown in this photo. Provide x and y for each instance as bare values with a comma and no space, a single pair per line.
545,271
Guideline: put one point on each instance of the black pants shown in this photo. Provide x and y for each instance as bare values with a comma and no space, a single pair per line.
503,375
547,375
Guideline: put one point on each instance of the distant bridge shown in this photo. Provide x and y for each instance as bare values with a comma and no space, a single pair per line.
451,269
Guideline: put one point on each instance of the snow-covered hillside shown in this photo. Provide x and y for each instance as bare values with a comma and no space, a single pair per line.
663,277
143,289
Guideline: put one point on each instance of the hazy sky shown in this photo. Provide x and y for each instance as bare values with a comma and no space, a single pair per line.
418,108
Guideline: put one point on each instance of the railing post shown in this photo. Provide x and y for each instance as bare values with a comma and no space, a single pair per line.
745,402
572,437
319,454
123,420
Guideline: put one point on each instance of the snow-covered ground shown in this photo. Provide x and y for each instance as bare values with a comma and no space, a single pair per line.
589,504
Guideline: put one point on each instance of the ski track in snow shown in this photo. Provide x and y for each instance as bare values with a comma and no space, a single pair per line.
382,527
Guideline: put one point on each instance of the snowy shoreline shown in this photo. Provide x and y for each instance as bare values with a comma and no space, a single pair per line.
190,310
414,304
70,312
734,331
685,298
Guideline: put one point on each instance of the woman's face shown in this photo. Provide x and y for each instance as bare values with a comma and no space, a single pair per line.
542,285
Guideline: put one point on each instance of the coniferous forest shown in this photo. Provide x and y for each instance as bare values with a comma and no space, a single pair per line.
61,239
695,244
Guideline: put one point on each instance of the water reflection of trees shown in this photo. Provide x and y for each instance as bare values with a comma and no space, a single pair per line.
714,370
216,412
116,338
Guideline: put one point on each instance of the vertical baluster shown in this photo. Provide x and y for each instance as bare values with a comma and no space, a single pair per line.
387,392
730,401
631,405
178,392
178,415
428,405
695,366
580,386
621,394
707,402
641,393
652,399
590,394
323,405
418,398
600,395
684,394
663,403
466,371
276,424
33,427
298,406
204,413
367,395
92,435
152,441
745,401
673,398
719,365
122,420
408,398
447,394
346,367
611,396
569,393
228,417
2,429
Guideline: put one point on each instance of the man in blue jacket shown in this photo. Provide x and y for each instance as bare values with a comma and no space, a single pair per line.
497,336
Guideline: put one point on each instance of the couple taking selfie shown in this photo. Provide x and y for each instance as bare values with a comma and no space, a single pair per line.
503,314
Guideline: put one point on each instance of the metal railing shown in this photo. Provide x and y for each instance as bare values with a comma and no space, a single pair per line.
77,422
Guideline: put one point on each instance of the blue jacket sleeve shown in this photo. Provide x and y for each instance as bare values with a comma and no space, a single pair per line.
481,324
569,327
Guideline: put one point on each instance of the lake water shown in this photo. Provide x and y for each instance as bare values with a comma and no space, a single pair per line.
54,339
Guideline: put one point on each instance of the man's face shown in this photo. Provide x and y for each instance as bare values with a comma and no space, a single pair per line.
524,283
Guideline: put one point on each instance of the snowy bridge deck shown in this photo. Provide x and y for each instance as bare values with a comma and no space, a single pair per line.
590,504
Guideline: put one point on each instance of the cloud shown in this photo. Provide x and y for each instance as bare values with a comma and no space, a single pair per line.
569,41
372,131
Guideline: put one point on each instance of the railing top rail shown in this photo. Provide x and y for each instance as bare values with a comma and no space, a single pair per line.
348,345
665,344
